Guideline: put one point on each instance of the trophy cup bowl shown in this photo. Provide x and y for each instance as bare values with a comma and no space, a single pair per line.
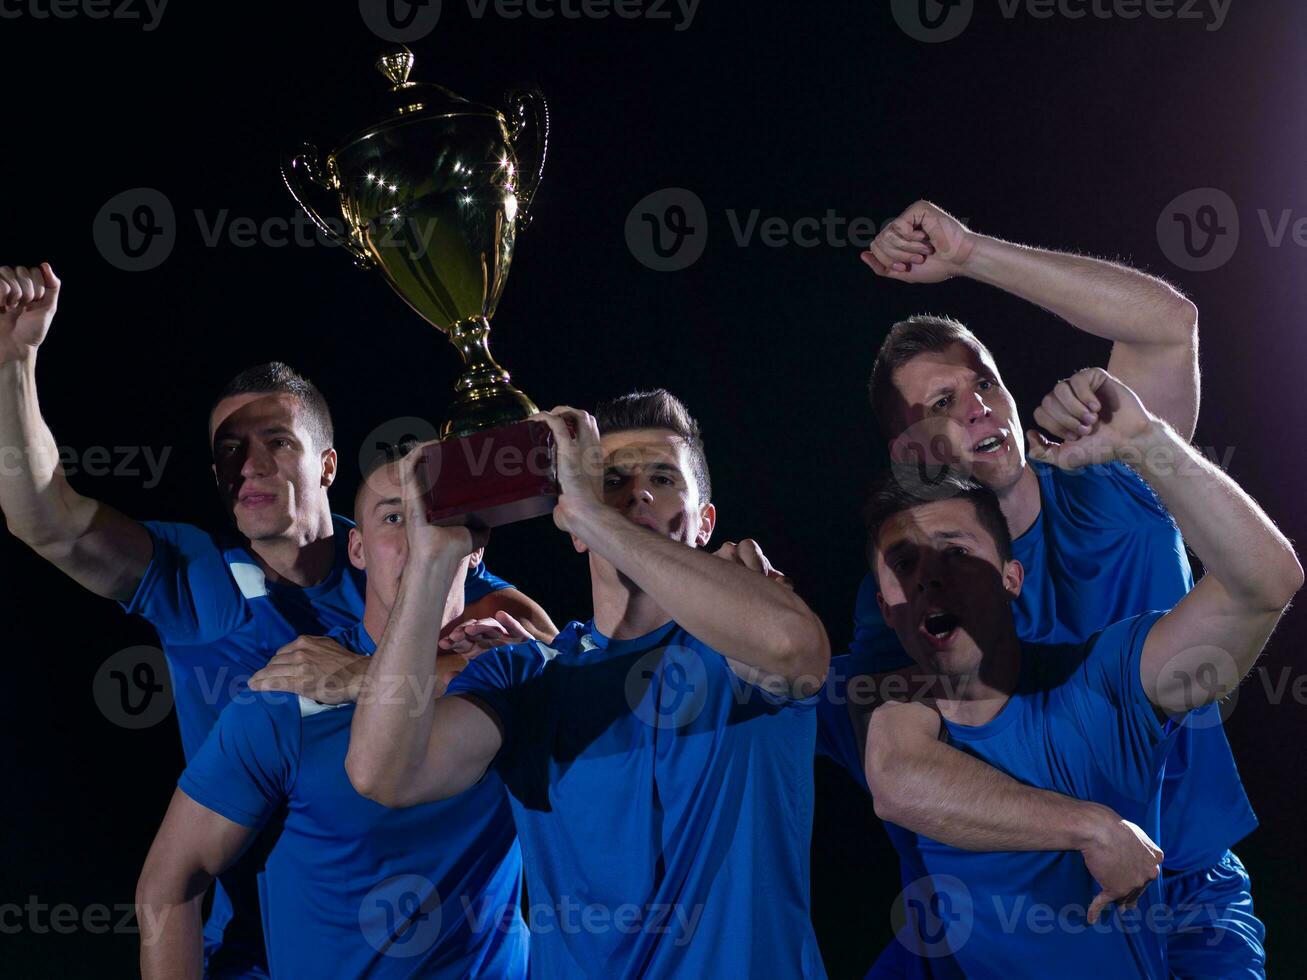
432,196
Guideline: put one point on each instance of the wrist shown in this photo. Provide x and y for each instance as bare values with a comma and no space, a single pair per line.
21,369
1092,825
977,257
1147,444
581,514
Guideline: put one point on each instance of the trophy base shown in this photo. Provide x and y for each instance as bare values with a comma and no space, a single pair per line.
490,478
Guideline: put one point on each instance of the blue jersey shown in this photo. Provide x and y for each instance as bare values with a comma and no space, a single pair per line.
664,807
1080,724
219,621
1102,548
353,888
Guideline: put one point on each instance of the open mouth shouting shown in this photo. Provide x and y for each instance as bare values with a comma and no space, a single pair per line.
991,445
939,627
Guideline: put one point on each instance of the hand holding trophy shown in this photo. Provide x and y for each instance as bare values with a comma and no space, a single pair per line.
433,194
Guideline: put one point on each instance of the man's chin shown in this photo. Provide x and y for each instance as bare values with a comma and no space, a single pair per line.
262,527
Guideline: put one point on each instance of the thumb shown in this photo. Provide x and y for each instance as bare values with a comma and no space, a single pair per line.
52,282
1062,455
1100,902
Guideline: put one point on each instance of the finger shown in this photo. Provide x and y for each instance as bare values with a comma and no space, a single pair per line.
52,282
907,229
1070,401
752,557
25,285
870,260
1041,448
1084,384
514,628
904,248
1056,421
557,425
726,551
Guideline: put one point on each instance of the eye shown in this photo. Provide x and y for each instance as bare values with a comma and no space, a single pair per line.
612,482
942,403
282,443
985,384
393,518
957,549
664,480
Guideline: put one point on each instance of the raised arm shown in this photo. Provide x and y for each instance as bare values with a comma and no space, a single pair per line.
92,543
1199,651
767,632
406,745
933,789
1153,329
193,846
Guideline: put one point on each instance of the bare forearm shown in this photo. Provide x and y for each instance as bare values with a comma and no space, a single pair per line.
31,479
733,609
1232,536
172,938
392,724
949,796
1102,298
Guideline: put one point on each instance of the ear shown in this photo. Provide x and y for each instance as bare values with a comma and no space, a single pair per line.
707,522
213,468
1014,576
474,559
580,547
883,606
356,550
329,462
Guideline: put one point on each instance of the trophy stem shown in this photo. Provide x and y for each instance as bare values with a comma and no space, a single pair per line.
484,398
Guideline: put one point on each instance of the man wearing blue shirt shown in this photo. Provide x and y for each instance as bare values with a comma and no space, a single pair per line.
1092,721
1096,546
659,757
221,603
351,888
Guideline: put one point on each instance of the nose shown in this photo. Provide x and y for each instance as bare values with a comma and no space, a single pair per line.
257,462
976,409
930,573
640,494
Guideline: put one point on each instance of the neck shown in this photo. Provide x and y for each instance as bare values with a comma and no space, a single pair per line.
302,559
1020,502
622,611
976,697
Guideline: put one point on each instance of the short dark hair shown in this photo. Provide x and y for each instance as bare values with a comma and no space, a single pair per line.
384,456
277,377
658,409
901,488
920,334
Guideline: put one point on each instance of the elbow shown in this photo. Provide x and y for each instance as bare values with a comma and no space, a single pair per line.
1291,580
1185,322
804,656
370,780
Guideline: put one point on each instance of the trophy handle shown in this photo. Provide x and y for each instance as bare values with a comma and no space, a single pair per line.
303,176
528,115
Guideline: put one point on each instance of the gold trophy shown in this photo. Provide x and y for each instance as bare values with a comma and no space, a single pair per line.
432,195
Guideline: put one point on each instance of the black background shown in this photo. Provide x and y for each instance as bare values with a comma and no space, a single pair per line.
1066,133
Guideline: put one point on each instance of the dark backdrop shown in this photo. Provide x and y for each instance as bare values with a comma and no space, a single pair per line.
1056,131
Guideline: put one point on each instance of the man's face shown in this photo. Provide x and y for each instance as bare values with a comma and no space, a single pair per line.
272,477
955,411
378,543
943,587
648,477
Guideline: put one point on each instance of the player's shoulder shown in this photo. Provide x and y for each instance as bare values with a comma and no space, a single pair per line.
1102,493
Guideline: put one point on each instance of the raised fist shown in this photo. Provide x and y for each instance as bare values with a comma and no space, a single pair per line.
28,298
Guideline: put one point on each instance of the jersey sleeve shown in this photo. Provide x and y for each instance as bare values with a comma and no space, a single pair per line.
499,680
481,582
875,647
187,592
246,767
1123,728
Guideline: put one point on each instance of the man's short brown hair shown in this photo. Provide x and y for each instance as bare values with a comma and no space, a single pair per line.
920,334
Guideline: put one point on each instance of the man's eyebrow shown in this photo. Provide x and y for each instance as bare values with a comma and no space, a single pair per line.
387,502
955,536
661,465
942,390
899,546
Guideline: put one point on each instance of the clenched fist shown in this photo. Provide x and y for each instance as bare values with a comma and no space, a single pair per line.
28,298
